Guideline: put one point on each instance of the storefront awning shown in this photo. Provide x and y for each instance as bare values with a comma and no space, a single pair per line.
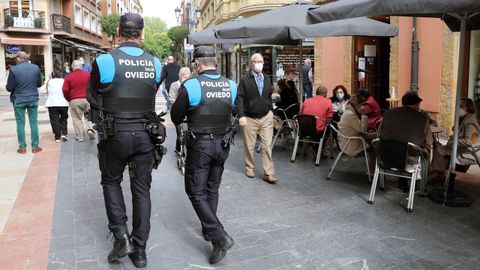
24,41
77,45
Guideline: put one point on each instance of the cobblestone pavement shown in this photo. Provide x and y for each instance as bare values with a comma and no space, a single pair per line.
303,222
56,216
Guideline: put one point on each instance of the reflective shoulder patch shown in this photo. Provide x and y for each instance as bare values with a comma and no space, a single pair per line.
133,51
158,69
233,89
194,91
106,68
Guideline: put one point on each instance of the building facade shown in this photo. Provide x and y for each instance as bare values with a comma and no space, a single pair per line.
339,60
52,32
234,59
218,11
55,31
119,7
380,64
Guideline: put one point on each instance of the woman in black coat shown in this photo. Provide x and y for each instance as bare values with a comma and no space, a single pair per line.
288,96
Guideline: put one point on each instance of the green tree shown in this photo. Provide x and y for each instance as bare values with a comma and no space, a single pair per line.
156,41
177,34
157,45
109,26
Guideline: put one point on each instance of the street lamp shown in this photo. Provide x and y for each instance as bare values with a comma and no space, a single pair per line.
198,13
177,13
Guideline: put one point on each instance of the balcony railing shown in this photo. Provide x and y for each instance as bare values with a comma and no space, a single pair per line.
21,18
61,23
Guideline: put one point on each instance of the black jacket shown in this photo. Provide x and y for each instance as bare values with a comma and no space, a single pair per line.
249,102
169,74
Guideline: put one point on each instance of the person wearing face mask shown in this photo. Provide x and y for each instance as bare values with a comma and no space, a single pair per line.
468,132
85,67
254,105
339,98
395,121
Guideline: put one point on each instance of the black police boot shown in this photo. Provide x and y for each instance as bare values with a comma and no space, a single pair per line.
220,249
139,257
122,246
205,236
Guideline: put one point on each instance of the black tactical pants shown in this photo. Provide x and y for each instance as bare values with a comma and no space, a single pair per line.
134,149
203,175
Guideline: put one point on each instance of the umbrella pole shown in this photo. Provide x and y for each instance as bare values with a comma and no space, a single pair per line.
239,62
448,196
300,75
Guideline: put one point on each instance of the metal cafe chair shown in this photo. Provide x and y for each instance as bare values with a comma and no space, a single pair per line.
307,132
473,149
340,154
284,124
398,159
288,125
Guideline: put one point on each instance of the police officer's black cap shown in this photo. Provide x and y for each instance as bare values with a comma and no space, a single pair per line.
131,21
204,51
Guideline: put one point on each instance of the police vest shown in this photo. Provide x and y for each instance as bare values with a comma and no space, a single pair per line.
132,91
213,113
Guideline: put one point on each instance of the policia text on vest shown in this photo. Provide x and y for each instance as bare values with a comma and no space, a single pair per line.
149,68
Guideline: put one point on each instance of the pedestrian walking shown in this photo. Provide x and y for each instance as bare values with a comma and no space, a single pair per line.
85,66
22,83
254,104
183,74
75,91
169,75
65,69
126,79
57,107
307,79
207,102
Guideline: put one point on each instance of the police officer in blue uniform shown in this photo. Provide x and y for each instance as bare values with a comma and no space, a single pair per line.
122,93
207,102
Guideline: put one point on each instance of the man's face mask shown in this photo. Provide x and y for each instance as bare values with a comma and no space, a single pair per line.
258,67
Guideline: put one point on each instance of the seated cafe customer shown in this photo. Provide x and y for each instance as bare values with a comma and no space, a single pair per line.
371,108
319,106
468,132
407,124
288,97
353,123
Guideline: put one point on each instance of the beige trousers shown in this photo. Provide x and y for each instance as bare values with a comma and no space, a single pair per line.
263,127
78,107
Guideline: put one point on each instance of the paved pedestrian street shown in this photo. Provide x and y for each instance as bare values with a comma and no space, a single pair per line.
58,220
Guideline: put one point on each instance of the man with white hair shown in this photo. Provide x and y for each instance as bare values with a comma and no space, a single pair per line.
75,91
183,74
254,104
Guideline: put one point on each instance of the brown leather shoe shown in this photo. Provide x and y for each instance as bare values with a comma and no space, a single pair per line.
21,150
250,173
36,150
270,178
